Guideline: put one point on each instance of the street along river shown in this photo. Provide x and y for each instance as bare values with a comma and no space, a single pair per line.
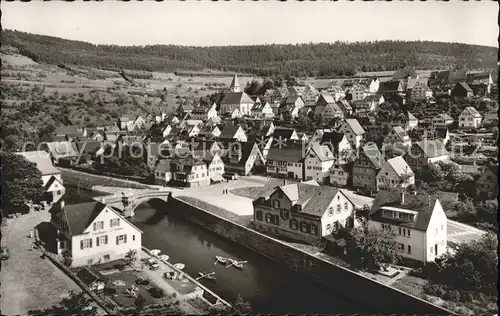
270,287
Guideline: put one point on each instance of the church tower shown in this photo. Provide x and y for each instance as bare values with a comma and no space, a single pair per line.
235,85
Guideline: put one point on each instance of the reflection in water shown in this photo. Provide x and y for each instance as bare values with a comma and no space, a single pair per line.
270,287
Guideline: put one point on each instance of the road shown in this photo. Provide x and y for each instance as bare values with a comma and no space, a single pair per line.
459,232
28,281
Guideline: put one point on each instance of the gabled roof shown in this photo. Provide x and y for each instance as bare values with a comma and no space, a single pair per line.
62,149
328,98
314,200
88,147
389,86
372,152
398,130
471,111
355,126
283,132
243,150
432,148
42,161
444,116
464,86
422,204
67,130
289,154
404,73
323,152
80,216
332,137
229,131
399,165
236,98
343,104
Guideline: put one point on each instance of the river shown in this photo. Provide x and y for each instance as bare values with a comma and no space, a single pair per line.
270,287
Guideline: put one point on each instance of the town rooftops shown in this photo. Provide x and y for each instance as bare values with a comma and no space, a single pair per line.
400,132
372,152
432,148
422,204
68,130
314,200
80,216
283,132
62,149
444,116
404,73
328,98
355,126
323,152
289,154
464,86
399,165
236,98
472,111
229,131
42,161
390,86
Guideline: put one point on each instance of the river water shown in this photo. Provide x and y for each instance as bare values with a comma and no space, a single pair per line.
270,287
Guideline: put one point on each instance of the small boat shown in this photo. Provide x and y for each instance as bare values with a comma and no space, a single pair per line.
155,252
237,264
164,258
222,260
205,275
179,266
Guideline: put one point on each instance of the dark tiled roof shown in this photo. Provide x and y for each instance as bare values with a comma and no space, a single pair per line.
420,203
88,147
432,148
236,98
285,154
389,86
405,73
229,131
80,216
284,133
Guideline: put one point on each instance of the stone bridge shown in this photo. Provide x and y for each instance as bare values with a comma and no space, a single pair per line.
128,203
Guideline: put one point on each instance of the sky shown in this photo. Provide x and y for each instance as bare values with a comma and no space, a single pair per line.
207,23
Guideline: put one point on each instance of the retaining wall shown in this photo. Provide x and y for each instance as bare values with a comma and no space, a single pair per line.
374,295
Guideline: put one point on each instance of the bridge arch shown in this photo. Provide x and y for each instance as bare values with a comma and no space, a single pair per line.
140,198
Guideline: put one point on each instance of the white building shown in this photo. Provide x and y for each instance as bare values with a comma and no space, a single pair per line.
418,221
469,118
395,173
353,131
319,160
92,233
287,162
304,212
204,113
236,99
51,176
442,120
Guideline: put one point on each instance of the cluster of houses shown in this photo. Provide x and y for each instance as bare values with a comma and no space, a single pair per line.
199,145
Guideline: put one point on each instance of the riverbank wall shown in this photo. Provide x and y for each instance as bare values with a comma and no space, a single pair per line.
370,293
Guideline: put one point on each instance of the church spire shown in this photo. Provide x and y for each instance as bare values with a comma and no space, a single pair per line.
235,84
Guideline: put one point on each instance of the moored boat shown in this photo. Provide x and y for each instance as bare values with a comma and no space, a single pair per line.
179,266
222,259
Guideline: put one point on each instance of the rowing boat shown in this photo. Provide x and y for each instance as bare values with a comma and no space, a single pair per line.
179,266
222,259
205,275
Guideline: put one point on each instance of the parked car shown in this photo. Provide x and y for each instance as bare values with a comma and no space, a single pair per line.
4,254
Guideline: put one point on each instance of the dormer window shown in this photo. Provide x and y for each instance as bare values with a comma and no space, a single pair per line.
276,204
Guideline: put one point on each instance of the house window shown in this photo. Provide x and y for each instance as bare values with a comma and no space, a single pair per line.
133,237
114,222
268,218
401,247
400,231
98,225
330,211
314,229
276,204
293,224
386,226
409,249
328,228
86,243
121,239
442,227
106,257
408,231
284,214
258,215
338,208
101,240
280,194
90,261
304,227
58,192
346,206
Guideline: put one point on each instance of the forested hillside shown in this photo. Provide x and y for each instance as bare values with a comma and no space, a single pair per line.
335,59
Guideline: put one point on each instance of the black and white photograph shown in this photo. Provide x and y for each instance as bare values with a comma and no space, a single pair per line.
249,157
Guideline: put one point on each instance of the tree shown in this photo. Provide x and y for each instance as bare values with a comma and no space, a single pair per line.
20,181
139,303
240,307
131,257
472,268
73,304
371,248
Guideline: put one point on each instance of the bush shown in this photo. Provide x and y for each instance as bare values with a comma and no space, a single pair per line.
109,291
452,295
119,266
142,281
435,289
156,292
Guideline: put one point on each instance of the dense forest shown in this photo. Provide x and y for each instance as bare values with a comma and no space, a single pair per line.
322,59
